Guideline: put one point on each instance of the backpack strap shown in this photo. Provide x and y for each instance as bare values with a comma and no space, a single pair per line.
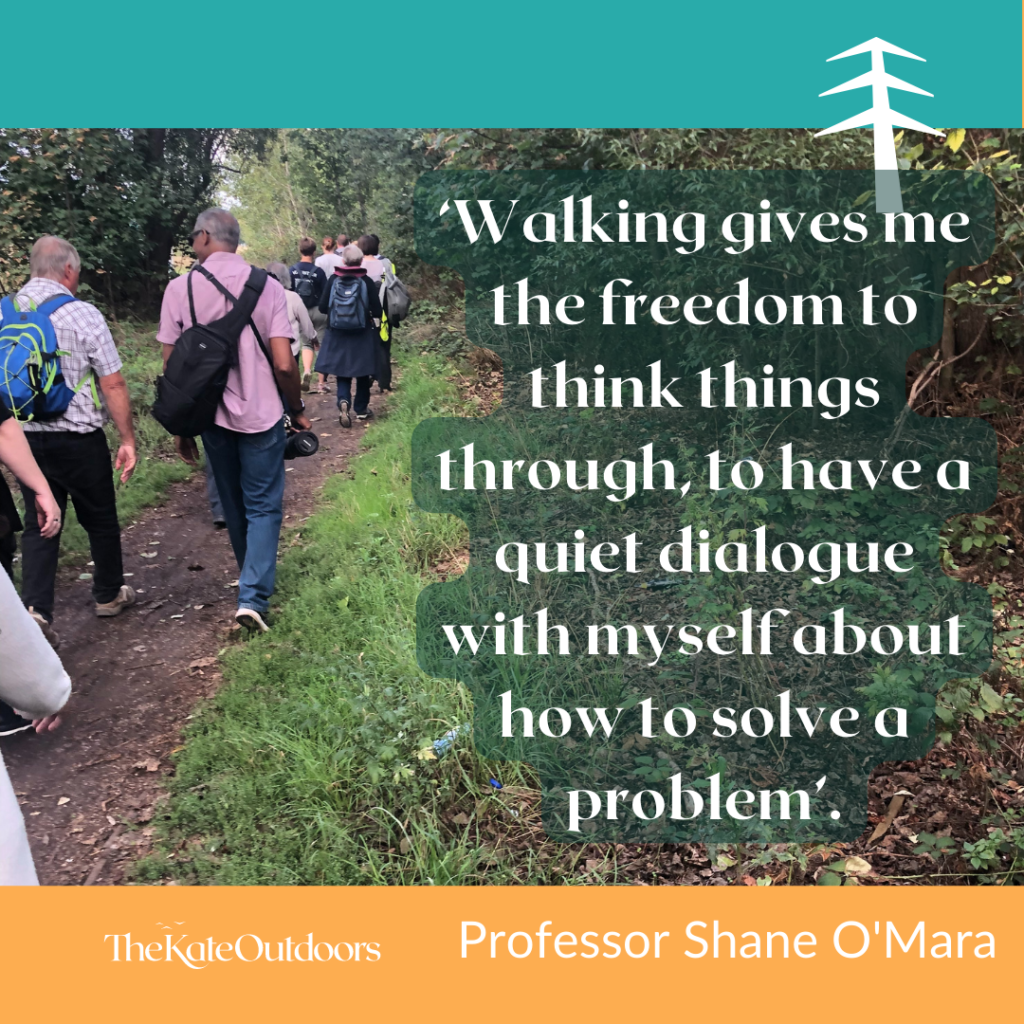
216,284
8,307
243,305
191,301
53,304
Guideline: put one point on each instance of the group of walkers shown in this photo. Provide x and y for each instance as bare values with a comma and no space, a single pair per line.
331,313
354,340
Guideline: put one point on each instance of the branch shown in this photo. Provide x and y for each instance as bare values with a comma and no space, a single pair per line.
924,378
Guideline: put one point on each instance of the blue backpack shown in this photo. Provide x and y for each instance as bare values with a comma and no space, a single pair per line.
31,383
349,304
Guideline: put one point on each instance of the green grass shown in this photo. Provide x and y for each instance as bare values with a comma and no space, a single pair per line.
306,768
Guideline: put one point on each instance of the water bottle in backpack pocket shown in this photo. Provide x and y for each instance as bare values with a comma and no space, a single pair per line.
349,306
32,386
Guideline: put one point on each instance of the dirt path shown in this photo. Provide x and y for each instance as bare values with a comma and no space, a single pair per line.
89,789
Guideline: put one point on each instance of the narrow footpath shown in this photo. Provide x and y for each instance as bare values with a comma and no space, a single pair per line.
90,790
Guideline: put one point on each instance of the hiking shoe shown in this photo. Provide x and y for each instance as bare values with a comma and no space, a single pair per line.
344,417
365,415
251,620
48,631
306,377
219,524
125,599
11,722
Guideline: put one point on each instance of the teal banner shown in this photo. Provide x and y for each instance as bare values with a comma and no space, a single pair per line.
680,64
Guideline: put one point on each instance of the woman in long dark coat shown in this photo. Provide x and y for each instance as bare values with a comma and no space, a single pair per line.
351,353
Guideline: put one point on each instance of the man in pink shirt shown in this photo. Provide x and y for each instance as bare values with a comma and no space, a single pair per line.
245,447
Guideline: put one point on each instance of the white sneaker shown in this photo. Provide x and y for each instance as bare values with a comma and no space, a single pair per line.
125,599
251,620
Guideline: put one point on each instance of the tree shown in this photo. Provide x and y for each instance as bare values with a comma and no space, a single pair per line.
124,197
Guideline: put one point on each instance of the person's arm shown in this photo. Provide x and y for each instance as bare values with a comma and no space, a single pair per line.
115,394
325,295
105,365
17,456
33,680
286,370
306,328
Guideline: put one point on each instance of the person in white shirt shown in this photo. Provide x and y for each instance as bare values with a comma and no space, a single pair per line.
32,680
329,259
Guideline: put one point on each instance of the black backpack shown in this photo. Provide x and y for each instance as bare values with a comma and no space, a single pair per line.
192,385
304,281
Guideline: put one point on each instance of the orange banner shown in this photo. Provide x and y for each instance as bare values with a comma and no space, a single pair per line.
507,954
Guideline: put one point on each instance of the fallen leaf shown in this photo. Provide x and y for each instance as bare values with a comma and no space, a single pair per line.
895,804
461,818
857,866
63,800
405,846
151,764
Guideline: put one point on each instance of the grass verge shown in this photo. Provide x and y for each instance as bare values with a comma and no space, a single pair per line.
310,766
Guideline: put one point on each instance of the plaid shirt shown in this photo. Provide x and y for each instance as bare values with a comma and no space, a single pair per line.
83,334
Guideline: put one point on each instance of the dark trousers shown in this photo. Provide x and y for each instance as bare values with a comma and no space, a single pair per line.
384,366
76,466
362,401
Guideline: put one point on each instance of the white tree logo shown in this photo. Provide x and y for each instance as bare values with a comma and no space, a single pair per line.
882,117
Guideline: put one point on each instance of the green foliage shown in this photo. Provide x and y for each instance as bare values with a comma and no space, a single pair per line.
978,537
124,196
646,148
329,181
935,846
988,854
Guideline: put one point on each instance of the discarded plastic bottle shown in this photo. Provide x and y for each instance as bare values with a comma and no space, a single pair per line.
447,741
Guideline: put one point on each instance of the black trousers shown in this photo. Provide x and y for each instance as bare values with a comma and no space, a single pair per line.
76,466
384,365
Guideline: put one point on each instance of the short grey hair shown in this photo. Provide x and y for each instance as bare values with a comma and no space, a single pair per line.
282,273
50,255
221,225
352,256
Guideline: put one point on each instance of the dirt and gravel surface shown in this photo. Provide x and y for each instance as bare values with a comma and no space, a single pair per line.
89,790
